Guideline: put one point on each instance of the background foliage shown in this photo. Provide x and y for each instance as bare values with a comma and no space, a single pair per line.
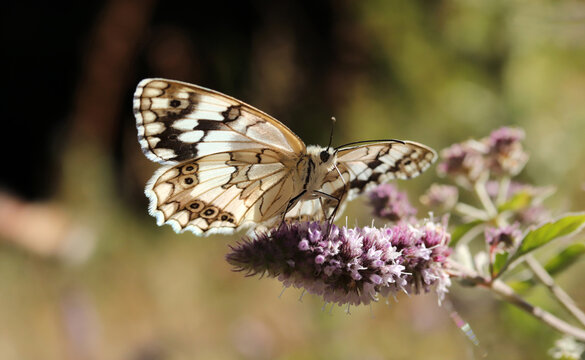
86,274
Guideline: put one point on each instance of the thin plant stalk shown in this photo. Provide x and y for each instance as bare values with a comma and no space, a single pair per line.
507,294
559,294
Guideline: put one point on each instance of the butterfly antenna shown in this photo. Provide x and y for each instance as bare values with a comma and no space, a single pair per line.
333,120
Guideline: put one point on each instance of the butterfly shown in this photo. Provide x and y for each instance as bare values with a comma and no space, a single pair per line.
228,165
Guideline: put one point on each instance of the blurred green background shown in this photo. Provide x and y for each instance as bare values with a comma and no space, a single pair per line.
85,273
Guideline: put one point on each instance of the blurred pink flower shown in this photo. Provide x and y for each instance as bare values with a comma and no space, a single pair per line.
462,160
504,237
439,196
506,155
391,204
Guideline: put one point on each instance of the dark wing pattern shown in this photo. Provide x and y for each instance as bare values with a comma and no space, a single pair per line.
361,168
228,164
178,121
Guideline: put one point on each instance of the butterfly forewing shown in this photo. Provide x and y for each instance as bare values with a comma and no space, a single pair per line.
177,121
376,163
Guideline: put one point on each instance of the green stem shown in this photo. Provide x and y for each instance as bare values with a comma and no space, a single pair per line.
483,196
560,295
468,210
503,190
507,294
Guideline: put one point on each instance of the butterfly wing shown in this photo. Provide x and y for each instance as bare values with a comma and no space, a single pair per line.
228,164
361,168
321,207
220,193
177,121
372,164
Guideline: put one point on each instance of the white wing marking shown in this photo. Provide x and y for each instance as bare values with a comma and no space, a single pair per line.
178,121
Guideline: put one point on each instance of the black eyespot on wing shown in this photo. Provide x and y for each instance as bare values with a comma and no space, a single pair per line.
226,217
189,169
196,205
209,212
187,181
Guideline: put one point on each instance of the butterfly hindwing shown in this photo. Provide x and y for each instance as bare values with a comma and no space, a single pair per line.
220,192
178,121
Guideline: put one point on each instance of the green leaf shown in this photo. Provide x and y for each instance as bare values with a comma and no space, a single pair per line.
564,226
461,230
517,202
564,259
522,286
499,262
554,266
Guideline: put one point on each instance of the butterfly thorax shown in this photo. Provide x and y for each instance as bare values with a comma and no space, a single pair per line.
316,164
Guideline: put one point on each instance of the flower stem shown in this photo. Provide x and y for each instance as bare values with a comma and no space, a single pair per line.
503,190
562,297
468,210
471,234
483,196
507,294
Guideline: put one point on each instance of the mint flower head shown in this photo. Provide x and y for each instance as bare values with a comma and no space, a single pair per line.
463,160
500,154
349,265
506,154
443,197
391,204
505,236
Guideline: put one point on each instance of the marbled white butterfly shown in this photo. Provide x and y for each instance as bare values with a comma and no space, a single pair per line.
228,165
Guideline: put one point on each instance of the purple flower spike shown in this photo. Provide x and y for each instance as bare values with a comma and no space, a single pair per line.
390,203
351,265
506,154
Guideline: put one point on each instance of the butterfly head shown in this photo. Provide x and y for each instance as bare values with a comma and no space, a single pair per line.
328,155
323,158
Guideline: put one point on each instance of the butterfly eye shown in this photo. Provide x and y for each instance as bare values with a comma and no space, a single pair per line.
324,155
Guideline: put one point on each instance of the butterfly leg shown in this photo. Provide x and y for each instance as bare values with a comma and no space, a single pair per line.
291,203
334,212
329,197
